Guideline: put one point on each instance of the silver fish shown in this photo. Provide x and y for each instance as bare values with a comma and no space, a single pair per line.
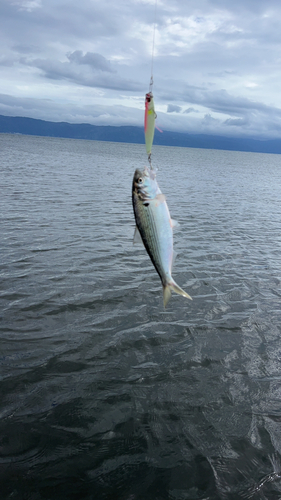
155,226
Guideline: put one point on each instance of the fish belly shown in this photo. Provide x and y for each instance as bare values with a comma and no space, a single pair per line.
153,222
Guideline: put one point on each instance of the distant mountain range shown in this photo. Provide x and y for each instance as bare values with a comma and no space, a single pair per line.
31,126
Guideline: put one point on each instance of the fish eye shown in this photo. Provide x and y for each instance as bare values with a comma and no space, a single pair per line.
140,180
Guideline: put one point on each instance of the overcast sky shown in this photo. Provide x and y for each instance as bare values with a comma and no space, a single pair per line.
217,63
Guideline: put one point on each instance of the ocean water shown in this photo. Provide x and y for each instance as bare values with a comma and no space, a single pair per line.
103,394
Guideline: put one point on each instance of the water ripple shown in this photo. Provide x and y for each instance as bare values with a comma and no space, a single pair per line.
103,393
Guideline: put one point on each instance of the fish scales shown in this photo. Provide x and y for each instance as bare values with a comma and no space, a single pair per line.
155,235
148,233
154,224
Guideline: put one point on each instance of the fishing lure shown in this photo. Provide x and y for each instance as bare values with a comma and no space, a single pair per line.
149,123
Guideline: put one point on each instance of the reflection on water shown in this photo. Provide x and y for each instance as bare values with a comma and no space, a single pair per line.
103,394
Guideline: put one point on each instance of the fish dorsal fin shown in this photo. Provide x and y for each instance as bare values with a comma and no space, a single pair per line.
137,237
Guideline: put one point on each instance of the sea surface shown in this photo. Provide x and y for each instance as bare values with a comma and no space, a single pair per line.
104,395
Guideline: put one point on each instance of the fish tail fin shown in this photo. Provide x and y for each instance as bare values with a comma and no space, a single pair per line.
171,285
166,294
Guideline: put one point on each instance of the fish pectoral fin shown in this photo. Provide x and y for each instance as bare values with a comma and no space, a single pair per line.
159,198
174,224
137,237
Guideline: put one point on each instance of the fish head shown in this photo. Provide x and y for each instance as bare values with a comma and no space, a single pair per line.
145,184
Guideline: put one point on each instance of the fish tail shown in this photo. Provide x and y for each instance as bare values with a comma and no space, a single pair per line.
166,294
171,285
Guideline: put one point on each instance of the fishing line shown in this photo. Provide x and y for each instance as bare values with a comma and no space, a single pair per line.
150,115
153,45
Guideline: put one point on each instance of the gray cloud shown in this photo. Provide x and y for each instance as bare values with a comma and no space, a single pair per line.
216,62
96,61
102,114
73,112
236,122
173,108
191,110
92,76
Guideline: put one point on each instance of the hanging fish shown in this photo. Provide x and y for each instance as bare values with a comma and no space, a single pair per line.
155,227
149,122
